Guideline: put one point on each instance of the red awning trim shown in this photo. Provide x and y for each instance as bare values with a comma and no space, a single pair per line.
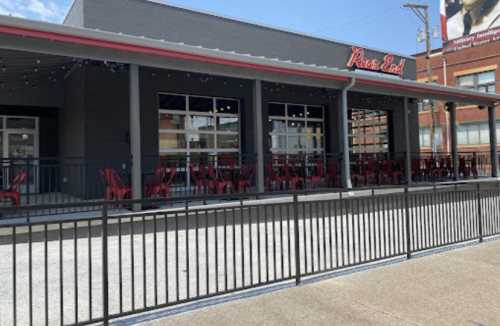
418,89
81,40
162,52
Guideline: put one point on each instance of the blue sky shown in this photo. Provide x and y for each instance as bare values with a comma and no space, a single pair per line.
382,24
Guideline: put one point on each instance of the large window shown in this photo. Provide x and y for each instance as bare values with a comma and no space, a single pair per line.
296,128
425,136
198,125
476,133
483,82
369,131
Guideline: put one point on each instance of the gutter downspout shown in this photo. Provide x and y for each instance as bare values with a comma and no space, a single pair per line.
346,160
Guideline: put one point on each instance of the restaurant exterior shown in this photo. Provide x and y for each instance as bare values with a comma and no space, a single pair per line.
131,98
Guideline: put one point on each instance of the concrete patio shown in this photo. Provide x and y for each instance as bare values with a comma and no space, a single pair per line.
458,287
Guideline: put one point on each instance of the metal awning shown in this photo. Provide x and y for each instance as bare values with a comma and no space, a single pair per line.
48,38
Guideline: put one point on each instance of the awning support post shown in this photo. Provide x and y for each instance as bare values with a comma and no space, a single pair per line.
406,127
259,134
135,134
346,160
492,122
452,107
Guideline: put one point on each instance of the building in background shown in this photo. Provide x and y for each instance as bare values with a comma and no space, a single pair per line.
470,58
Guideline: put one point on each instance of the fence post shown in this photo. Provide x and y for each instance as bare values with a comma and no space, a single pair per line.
407,218
479,213
105,285
297,239
27,180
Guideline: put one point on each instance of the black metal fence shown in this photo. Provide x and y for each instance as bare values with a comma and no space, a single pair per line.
76,180
109,265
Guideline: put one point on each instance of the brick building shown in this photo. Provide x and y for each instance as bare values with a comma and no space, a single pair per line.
474,68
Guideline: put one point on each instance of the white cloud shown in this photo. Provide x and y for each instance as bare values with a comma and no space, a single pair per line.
47,10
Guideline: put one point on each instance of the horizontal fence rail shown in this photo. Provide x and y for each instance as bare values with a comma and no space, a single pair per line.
111,265
74,180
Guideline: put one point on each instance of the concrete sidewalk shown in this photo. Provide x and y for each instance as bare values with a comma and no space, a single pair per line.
459,287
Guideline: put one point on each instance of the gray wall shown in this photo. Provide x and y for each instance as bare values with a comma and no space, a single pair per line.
107,114
94,128
72,134
49,95
72,116
158,21
75,14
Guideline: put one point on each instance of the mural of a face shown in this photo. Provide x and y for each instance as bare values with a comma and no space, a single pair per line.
469,4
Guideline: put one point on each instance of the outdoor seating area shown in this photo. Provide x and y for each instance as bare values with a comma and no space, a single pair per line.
285,173
172,178
13,192
230,174
439,167
225,178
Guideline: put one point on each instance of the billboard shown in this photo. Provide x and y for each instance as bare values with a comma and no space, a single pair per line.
468,23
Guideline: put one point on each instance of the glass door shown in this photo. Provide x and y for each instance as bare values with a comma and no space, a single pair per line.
19,148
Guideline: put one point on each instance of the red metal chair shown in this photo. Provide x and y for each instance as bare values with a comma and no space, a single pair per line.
115,189
432,169
319,175
216,184
397,171
292,178
273,179
244,180
416,170
357,173
370,173
333,174
473,167
164,178
199,178
463,168
13,193
365,172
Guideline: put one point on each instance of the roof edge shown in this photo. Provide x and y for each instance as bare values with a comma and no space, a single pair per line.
121,42
271,27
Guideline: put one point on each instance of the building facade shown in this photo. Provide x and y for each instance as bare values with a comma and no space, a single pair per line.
130,85
470,68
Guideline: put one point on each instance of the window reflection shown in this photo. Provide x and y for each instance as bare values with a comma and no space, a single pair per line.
202,123
228,141
228,124
207,125
172,141
201,141
296,142
172,121
295,128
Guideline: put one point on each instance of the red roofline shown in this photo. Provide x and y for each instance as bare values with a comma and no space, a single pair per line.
25,32
161,52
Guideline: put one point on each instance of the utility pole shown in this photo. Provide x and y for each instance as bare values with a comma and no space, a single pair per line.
422,12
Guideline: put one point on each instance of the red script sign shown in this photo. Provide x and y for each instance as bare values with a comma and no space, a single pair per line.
358,60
